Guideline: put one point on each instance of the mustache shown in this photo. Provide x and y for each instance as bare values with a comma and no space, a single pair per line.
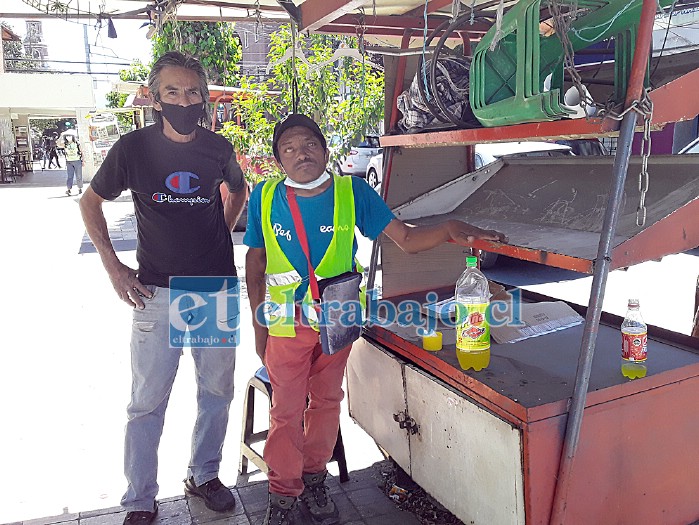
305,161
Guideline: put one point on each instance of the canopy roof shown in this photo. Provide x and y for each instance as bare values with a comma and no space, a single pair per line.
387,17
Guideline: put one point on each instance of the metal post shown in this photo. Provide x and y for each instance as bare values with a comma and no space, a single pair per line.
87,50
602,265
695,325
388,158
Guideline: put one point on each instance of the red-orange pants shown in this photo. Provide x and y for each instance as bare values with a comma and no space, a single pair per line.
298,369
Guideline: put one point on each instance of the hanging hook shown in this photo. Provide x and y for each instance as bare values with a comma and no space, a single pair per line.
294,83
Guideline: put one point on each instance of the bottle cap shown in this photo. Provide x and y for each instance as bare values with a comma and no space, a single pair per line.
432,341
471,261
634,302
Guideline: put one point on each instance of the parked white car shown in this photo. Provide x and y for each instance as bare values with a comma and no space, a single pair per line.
355,163
690,149
484,154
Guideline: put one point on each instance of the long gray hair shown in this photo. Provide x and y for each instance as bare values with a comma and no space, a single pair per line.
177,59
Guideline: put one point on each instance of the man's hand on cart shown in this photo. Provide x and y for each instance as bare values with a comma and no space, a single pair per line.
464,233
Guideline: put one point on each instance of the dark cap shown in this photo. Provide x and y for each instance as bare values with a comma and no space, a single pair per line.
295,119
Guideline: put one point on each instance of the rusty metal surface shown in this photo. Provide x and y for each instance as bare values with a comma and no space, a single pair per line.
552,209
636,461
570,129
532,379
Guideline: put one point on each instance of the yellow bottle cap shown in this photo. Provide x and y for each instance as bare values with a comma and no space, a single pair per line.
432,341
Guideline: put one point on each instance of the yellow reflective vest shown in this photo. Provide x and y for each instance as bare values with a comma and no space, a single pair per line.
282,278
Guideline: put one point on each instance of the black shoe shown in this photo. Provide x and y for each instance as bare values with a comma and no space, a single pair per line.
215,495
281,510
141,517
316,500
68,193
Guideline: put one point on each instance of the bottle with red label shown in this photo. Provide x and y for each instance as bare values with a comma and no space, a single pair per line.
634,342
472,298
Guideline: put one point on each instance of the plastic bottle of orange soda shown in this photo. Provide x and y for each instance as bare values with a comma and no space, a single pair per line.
634,342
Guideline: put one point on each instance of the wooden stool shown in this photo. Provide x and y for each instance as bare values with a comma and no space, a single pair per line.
260,382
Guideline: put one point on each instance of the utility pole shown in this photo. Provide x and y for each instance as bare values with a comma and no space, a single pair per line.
87,49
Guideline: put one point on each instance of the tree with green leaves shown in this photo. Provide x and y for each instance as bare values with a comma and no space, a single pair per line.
346,98
214,44
136,72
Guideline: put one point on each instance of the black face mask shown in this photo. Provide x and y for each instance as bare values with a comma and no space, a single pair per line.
183,119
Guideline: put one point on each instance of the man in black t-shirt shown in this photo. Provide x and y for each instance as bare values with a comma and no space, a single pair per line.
174,170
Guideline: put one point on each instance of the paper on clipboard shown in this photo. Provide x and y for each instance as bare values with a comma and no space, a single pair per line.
533,320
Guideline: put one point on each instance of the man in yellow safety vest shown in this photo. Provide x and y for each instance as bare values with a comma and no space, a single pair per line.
307,383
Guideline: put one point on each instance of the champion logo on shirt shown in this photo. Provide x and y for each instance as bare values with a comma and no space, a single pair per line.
182,182
164,197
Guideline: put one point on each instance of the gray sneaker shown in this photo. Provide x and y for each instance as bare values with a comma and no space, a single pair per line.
317,501
280,510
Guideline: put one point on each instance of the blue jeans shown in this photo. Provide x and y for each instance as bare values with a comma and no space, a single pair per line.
74,168
153,367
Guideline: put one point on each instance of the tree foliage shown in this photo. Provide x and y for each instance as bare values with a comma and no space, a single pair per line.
214,44
345,97
136,72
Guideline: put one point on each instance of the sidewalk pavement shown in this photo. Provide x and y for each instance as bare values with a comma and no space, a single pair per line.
65,381
359,500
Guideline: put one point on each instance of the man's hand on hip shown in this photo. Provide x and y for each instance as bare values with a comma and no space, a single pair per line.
127,286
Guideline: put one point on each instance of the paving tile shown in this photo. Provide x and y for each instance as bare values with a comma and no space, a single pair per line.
172,498
254,498
362,479
257,519
399,518
232,520
371,502
50,520
348,512
174,512
201,514
100,512
105,519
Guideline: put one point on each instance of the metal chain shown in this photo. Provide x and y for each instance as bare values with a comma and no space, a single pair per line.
455,9
361,30
294,73
644,107
258,18
562,24
646,110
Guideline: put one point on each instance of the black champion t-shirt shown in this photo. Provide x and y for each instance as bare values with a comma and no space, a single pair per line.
177,199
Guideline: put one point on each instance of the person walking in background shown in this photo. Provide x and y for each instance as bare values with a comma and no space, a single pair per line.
74,163
52,152
174,170
45,147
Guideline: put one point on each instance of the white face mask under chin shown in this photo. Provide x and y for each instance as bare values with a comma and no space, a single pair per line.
308,185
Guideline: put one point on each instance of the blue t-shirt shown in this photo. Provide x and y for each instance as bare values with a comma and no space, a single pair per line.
372,215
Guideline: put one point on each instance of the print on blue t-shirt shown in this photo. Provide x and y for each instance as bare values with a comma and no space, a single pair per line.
371,217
